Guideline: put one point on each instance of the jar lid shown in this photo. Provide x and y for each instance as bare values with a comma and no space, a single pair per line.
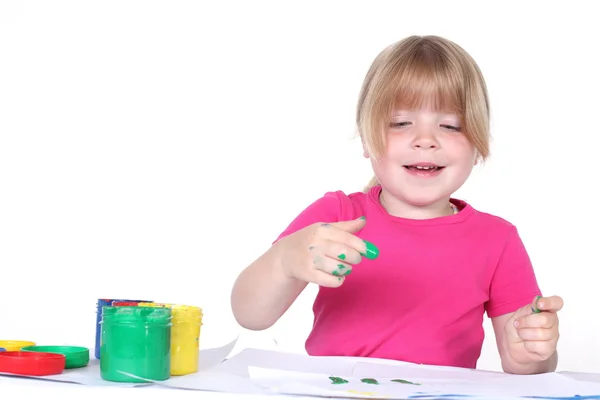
177,310
153,304
127,314
188,311
15,345
76,356
124,303
31,363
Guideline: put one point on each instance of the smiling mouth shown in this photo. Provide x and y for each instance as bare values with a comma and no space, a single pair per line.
424,168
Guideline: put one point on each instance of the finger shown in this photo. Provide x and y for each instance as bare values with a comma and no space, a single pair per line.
341,232
550,304
340,252
512,324
332,266
328,273
536,334
351,226
326,280
344,237
520,313
542,320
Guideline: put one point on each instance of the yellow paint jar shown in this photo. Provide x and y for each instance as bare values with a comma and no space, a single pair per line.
146,304
185,337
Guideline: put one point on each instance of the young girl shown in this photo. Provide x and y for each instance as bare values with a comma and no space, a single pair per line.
406,271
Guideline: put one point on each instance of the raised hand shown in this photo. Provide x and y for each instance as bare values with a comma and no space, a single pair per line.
532,331
324,253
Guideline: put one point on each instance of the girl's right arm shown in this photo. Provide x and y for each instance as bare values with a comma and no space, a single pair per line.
267,288
263,292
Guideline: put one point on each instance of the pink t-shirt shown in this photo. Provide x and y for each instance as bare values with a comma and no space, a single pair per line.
423,299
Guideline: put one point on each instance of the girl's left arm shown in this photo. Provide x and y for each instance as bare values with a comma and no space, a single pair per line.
527,338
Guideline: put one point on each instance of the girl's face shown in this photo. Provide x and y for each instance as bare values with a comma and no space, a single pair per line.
427,158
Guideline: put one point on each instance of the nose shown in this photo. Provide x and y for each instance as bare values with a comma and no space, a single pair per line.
425,139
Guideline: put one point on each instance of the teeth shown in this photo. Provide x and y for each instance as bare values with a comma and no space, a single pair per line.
421,167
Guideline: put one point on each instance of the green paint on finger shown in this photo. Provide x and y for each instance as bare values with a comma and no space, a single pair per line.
372,251
343,270
535,308
342,256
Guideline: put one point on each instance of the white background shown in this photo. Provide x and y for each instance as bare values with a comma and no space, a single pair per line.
154,149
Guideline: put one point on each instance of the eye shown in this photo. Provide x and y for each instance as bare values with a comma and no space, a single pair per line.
399,124
451,127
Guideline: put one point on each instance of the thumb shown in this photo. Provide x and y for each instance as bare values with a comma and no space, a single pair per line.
351,226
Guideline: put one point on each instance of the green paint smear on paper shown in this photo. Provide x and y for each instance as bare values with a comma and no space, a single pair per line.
405,381
370,381
337,381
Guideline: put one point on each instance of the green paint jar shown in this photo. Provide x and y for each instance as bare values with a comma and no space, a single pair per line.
136,341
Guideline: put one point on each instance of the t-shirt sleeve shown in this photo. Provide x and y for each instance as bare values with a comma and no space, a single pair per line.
325,209
514,283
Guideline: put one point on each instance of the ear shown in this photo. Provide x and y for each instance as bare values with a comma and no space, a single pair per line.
365,150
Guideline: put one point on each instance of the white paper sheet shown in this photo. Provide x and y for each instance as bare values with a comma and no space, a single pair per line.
90,375
582,376
482,386
238,364
209,378
212,357
422,372
210,381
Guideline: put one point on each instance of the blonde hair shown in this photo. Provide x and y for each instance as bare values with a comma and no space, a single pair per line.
417,69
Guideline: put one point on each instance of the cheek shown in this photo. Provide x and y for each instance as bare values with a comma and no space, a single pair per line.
396,147
463,150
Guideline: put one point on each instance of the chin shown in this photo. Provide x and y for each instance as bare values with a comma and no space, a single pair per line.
423,200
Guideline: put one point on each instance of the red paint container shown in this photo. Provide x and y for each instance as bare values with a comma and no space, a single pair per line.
32,363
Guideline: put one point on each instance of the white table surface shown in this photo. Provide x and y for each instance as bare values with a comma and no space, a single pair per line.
19,388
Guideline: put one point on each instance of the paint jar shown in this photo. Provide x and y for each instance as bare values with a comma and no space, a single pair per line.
185,339
107,302
153,304
136,341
